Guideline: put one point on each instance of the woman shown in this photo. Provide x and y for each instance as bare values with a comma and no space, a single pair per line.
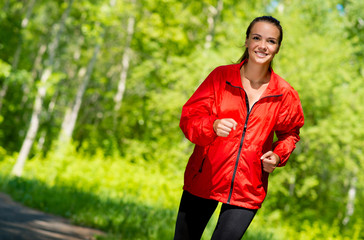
231,119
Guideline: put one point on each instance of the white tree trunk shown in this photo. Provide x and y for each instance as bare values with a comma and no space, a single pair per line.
351,201
71,115
43,134
24,24
34,122
36,67
125,63
214,13
3,92
33,128
38,60
18,50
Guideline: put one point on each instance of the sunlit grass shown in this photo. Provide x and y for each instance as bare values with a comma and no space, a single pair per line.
128,200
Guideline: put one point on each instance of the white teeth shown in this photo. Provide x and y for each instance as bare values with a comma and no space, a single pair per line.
260,54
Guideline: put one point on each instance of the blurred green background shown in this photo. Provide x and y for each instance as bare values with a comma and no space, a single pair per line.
91,94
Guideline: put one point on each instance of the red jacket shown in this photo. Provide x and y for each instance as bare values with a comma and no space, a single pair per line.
229,169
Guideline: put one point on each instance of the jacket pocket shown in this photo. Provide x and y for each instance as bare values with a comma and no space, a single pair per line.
201,166
255,168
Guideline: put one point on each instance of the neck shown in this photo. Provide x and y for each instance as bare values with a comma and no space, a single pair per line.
258,74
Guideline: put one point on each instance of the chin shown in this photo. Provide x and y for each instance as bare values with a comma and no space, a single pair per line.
262,61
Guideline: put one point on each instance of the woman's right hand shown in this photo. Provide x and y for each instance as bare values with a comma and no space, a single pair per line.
222,127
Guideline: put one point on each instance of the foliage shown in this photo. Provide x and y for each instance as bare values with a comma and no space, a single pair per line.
135,157
113,195
126,200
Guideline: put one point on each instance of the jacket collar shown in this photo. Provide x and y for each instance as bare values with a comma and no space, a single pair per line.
273,86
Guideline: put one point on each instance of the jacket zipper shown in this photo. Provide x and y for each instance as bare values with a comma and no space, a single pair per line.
240,147
242,138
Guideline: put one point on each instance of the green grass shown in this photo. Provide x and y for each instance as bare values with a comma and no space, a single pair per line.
120,218
129,200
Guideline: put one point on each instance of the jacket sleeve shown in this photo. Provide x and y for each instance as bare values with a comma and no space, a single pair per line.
199,112
290,121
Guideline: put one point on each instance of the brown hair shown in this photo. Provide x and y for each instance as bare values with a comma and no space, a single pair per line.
269,19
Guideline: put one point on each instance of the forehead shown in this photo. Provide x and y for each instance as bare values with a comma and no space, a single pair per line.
265,29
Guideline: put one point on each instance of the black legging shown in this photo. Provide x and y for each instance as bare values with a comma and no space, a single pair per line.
195,212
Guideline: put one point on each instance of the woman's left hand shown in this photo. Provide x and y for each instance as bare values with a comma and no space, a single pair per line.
270,161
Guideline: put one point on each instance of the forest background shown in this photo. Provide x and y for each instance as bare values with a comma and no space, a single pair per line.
91,95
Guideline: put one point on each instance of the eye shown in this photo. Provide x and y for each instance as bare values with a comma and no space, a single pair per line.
272,41
255,38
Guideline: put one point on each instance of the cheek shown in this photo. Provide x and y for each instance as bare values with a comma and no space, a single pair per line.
251,45
274,49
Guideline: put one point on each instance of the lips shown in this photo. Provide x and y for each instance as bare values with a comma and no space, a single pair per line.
261,54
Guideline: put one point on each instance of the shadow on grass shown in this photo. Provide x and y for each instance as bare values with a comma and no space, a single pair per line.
119,218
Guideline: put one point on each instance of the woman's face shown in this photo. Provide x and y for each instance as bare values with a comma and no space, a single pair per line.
262,43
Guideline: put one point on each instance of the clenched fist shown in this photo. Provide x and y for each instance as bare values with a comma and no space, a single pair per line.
270,161
223,127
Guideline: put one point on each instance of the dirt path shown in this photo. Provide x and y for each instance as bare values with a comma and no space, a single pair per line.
18,222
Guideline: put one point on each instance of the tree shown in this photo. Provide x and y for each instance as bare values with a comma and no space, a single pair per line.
125,61
323,169
18,50
34,122
214,13
70,118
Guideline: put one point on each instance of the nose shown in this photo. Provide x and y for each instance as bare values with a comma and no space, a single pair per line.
263,45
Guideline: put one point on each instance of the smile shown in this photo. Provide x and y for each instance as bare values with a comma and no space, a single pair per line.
261,54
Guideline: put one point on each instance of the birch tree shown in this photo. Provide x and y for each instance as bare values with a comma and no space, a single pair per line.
36,66
351,201
37,107
18,50
71,115
214,13
125,61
